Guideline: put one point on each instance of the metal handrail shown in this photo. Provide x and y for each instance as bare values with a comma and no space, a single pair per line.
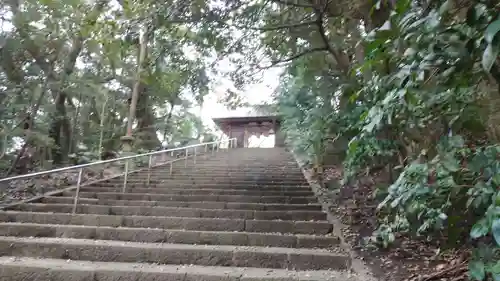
231,144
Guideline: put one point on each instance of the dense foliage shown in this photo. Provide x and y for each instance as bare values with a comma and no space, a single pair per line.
406,87
70,71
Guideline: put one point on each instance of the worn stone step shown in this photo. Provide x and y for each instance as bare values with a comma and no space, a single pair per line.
208,187
214,182
222,165
207,167
187,204
239,174
190,185
165,169
221,179
174,197
174,212
220,255
34,269
196,191
204,224
150,235
240,181
233,175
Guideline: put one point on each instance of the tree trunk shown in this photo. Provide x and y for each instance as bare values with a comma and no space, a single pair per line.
31,124
167,121
101,125
60,131
73,140
137,85
146,127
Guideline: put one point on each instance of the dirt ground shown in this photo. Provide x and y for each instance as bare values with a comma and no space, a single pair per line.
354,210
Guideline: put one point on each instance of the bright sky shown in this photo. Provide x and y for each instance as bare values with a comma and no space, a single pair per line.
254,94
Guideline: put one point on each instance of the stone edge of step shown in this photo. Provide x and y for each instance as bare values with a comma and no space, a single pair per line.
217,205
155,234
193,212
167,253
298,227
63,270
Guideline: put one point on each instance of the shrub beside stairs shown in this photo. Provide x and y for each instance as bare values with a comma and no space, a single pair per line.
243,214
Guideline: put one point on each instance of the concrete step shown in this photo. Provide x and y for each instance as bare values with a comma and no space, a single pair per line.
234,174
195,191
174,212
239,215
187,204
208,255
225,171
33,269
174,197
221,173
164,222
217,182
232,179
148,235
209,185
206,187
162,170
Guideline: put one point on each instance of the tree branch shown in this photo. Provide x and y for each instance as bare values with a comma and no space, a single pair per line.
287,3
296,56
275,27
320,13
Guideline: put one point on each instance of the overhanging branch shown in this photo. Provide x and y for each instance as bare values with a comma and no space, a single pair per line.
277,27
292,4
296,56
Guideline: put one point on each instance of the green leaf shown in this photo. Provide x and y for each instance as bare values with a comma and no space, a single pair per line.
451,164
492,30
445,7
479,229
457,141
495,230
489,57
476,270
353,145
495,271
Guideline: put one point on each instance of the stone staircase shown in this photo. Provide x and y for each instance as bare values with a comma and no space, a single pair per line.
243,214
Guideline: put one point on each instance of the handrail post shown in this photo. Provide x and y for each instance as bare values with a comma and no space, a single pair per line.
186,159
125,177
194,155
206,150
77,194
217,146
213,148
171,166
149,169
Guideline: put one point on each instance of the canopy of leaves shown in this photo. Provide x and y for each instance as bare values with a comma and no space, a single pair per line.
411,87
68,71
